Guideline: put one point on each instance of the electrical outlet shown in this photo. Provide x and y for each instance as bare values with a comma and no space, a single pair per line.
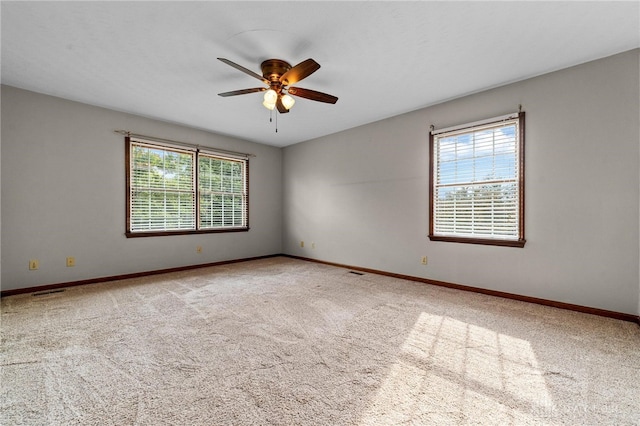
424,260
71,261
199,249
33,264
301,243
313,245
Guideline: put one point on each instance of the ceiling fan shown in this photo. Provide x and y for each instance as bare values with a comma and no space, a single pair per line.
279,75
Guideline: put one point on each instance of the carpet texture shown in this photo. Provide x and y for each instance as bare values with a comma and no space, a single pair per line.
280,341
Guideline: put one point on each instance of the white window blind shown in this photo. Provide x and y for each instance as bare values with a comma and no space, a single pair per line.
476,181
222,192
162,188
181,190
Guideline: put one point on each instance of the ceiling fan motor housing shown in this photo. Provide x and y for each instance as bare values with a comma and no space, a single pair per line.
272,70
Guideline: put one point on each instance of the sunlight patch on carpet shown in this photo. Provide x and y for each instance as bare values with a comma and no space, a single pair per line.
452,371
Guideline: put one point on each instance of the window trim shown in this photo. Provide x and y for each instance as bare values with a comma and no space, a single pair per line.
520,242
197,230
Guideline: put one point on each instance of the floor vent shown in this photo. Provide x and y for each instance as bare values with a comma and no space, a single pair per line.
43,293
356,273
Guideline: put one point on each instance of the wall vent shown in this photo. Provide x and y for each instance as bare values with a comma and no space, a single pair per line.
43,293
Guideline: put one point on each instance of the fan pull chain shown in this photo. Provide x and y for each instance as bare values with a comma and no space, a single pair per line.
271,119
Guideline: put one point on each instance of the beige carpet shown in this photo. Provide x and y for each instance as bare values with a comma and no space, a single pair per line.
286,342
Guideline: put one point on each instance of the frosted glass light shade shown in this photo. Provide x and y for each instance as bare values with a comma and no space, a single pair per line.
268,105
288,101
270,96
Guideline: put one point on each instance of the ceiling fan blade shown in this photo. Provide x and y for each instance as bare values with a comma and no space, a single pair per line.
303,70
280,106
244,70
312,94
242,91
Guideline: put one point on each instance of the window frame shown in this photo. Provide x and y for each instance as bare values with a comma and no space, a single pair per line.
433,164
129,141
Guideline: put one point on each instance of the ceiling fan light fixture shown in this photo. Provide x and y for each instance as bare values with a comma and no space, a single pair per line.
269,106
270,96
288,101
270,99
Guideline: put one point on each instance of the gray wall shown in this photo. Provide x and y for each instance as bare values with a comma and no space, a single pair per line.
63,194
361,196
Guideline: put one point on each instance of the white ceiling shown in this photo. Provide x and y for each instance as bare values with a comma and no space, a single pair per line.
158,59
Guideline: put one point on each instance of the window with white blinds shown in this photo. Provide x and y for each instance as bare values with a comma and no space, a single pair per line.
222,192
176,191
477,182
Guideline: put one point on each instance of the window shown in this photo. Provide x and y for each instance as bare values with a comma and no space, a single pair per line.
222,192
178,190
477,182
